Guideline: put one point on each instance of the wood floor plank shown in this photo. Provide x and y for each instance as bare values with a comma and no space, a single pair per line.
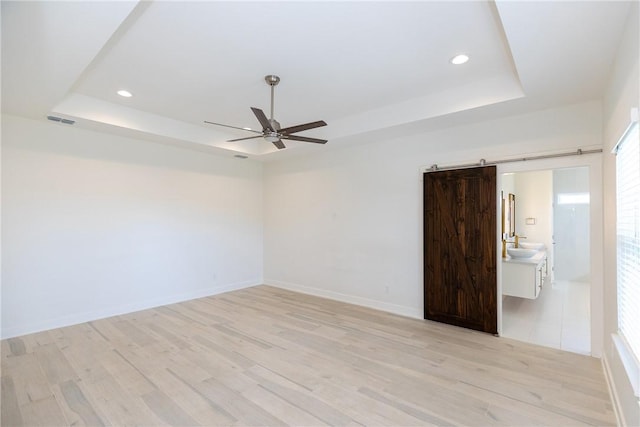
79,410
246,411
197,309
411,410
86,361
305,400
231,356
286,411
197,406
30,383
167,410
120,406
134,333
11,415
506,410
215,406
54,364
268,356
168,335
16,346
44,412
127,374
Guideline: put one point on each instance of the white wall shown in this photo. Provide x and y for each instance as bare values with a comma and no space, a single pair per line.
95,225
534,198
347,223
623,93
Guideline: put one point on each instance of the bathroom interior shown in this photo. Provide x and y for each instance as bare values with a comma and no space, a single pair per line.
545,263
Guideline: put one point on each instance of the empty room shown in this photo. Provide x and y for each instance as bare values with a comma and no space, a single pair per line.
305,213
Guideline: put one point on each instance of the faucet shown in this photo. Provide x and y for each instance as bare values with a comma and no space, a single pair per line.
517,241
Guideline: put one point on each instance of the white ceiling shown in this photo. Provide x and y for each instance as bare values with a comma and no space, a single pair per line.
362,67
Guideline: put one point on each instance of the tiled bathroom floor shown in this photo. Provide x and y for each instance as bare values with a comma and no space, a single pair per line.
558,318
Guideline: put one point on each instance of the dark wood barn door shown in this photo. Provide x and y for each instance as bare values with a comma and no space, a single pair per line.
460,244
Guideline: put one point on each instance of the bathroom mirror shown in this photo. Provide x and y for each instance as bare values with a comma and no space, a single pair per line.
509,215
512,215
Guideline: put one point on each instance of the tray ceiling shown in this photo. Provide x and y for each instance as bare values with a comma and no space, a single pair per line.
362,67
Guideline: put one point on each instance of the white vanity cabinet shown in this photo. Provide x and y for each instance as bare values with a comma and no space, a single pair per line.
524,277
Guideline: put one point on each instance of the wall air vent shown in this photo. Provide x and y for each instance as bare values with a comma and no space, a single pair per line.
61,120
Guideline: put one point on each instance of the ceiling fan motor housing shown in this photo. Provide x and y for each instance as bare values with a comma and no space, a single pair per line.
275,124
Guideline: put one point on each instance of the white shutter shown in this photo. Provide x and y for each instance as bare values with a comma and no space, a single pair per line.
628,238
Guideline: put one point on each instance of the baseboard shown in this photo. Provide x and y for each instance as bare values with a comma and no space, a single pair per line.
76,318
351,299
608,376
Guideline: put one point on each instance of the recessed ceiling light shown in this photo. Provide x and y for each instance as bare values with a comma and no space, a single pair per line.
125,93
459,59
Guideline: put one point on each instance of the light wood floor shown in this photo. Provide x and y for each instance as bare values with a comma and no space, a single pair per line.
266,356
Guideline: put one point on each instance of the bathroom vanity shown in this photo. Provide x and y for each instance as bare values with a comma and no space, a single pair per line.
524,277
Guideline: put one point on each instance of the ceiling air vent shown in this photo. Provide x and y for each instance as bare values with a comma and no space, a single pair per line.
61,120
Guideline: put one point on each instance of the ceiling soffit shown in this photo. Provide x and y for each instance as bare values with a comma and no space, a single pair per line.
360,66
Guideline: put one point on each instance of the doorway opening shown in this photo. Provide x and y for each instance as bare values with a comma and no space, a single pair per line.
552,213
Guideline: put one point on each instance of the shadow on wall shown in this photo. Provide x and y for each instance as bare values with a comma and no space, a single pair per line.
65,140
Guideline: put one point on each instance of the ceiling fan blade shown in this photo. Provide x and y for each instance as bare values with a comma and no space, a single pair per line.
242,139
300,128
279,144
262,119
233,127
304,139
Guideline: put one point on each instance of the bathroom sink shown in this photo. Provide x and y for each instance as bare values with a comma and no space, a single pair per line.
532,245
521,252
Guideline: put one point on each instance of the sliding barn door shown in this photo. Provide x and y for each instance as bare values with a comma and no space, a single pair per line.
460,244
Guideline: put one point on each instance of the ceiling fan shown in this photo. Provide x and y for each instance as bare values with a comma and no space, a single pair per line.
271,130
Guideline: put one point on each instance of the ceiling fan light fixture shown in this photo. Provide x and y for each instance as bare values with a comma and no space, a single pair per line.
459,59
271,137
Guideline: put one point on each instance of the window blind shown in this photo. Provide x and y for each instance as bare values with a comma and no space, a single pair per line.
628,238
